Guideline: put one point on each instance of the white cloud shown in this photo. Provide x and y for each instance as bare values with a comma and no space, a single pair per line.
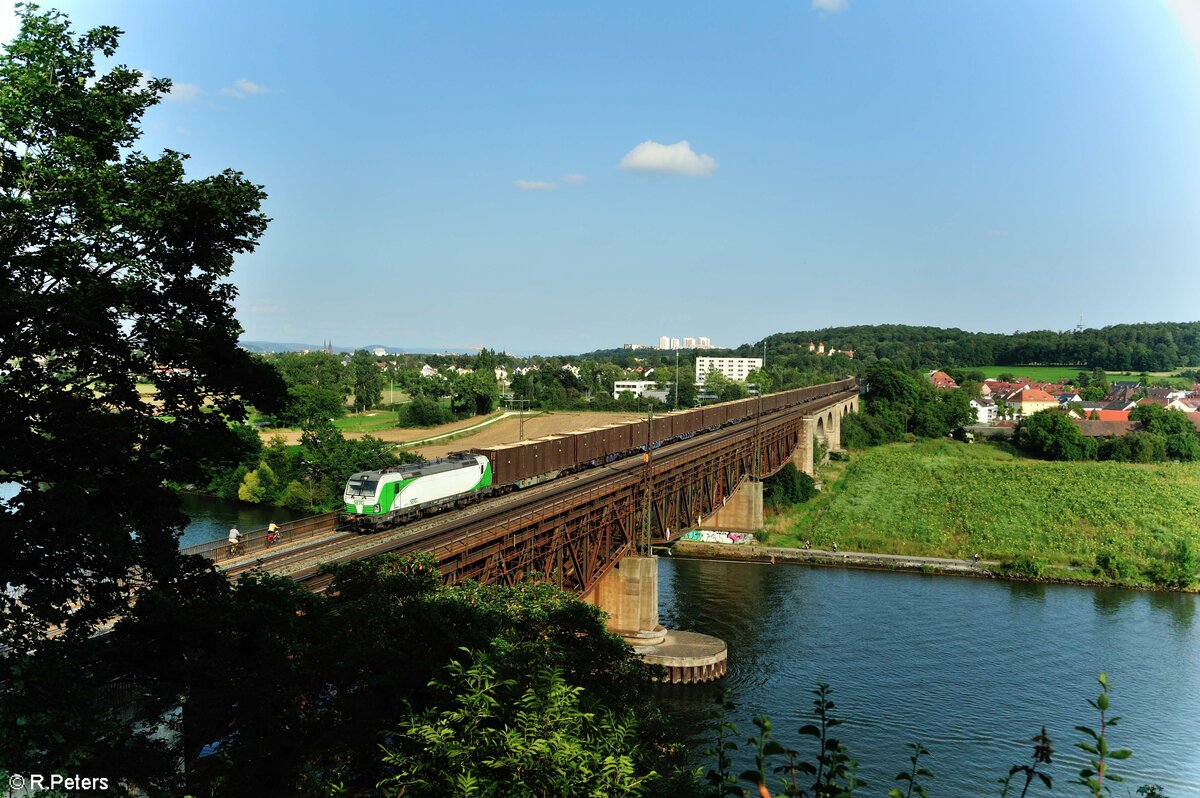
830,6
183,92
535,185
677,158
573,178
243,88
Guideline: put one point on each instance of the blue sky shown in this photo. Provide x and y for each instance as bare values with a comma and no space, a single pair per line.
515,175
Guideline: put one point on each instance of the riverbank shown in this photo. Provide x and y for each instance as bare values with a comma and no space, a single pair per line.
1108,523
873,561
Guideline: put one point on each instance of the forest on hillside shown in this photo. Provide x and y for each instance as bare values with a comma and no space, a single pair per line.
1159,346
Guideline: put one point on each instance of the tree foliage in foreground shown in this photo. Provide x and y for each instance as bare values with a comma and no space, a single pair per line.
292,691
113,269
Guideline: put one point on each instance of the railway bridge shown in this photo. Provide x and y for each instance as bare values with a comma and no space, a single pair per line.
577,530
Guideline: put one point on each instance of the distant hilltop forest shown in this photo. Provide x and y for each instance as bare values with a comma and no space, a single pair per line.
1161,346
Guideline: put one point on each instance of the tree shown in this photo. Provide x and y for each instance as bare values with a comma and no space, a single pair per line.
366,380
424,411
760,379
1182,441
492,738
475,392
114,267
1051,434
683,394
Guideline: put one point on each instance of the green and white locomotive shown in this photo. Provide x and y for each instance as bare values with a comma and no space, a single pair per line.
376,499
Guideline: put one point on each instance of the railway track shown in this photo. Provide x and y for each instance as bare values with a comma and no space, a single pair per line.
448,532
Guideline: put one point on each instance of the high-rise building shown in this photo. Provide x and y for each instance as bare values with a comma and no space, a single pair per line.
664,342
735,368
674,343
704,343
689,343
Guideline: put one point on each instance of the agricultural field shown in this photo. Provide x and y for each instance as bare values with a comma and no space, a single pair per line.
1056,373
953,499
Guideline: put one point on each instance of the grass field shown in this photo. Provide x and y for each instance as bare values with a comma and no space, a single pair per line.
952,499
1056,373
369,421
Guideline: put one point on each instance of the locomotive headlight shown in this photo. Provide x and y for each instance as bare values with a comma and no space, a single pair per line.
377,508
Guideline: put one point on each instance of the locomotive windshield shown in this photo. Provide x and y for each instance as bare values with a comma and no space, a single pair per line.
365,487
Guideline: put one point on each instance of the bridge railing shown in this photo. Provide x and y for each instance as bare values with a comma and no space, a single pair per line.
256,540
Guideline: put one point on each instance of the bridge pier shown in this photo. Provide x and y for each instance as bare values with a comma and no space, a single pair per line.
802,456
629,595
742,511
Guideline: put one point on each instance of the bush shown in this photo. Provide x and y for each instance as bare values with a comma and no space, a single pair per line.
1112,565
1178,569
423,411
1024,567
788,486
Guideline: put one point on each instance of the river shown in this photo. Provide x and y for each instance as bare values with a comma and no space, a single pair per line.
971,668
211,517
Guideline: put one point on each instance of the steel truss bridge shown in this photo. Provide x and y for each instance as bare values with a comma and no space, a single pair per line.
573,530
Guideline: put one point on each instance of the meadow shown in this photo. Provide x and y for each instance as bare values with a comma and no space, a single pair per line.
944,498
1056,373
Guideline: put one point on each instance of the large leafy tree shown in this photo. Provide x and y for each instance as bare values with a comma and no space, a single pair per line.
113,267
366,380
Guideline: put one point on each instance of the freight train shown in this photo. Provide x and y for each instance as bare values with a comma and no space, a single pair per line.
396,495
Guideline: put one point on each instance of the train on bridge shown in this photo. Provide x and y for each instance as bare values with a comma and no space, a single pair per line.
392,496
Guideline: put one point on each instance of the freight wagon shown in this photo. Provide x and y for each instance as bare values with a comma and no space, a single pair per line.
391,496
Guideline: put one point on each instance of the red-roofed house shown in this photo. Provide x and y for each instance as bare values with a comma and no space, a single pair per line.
1030,401
941,379
1113,415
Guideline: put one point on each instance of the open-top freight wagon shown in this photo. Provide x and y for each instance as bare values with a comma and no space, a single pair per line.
391,496
541,459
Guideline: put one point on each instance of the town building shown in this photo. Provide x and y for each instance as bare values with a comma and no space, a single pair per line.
636,387
985,410
1033,400
941,379
703,343
664,342
734,368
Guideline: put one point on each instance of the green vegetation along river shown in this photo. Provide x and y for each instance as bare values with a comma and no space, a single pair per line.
971,668
949,499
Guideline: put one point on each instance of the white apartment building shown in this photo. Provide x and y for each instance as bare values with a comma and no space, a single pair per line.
674,343
635,387
735,368
664,342
704,343
689,343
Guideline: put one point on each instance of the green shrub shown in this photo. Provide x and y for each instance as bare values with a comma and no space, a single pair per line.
1025,567
1112,565
423,411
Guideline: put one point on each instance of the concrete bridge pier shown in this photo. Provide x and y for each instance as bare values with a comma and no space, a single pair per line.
742,511
629,595
802,456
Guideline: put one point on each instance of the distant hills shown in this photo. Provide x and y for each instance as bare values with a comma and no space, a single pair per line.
262,347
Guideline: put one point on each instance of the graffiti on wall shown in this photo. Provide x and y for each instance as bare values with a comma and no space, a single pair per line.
709,536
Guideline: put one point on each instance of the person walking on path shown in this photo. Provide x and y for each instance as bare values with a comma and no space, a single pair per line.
235,541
